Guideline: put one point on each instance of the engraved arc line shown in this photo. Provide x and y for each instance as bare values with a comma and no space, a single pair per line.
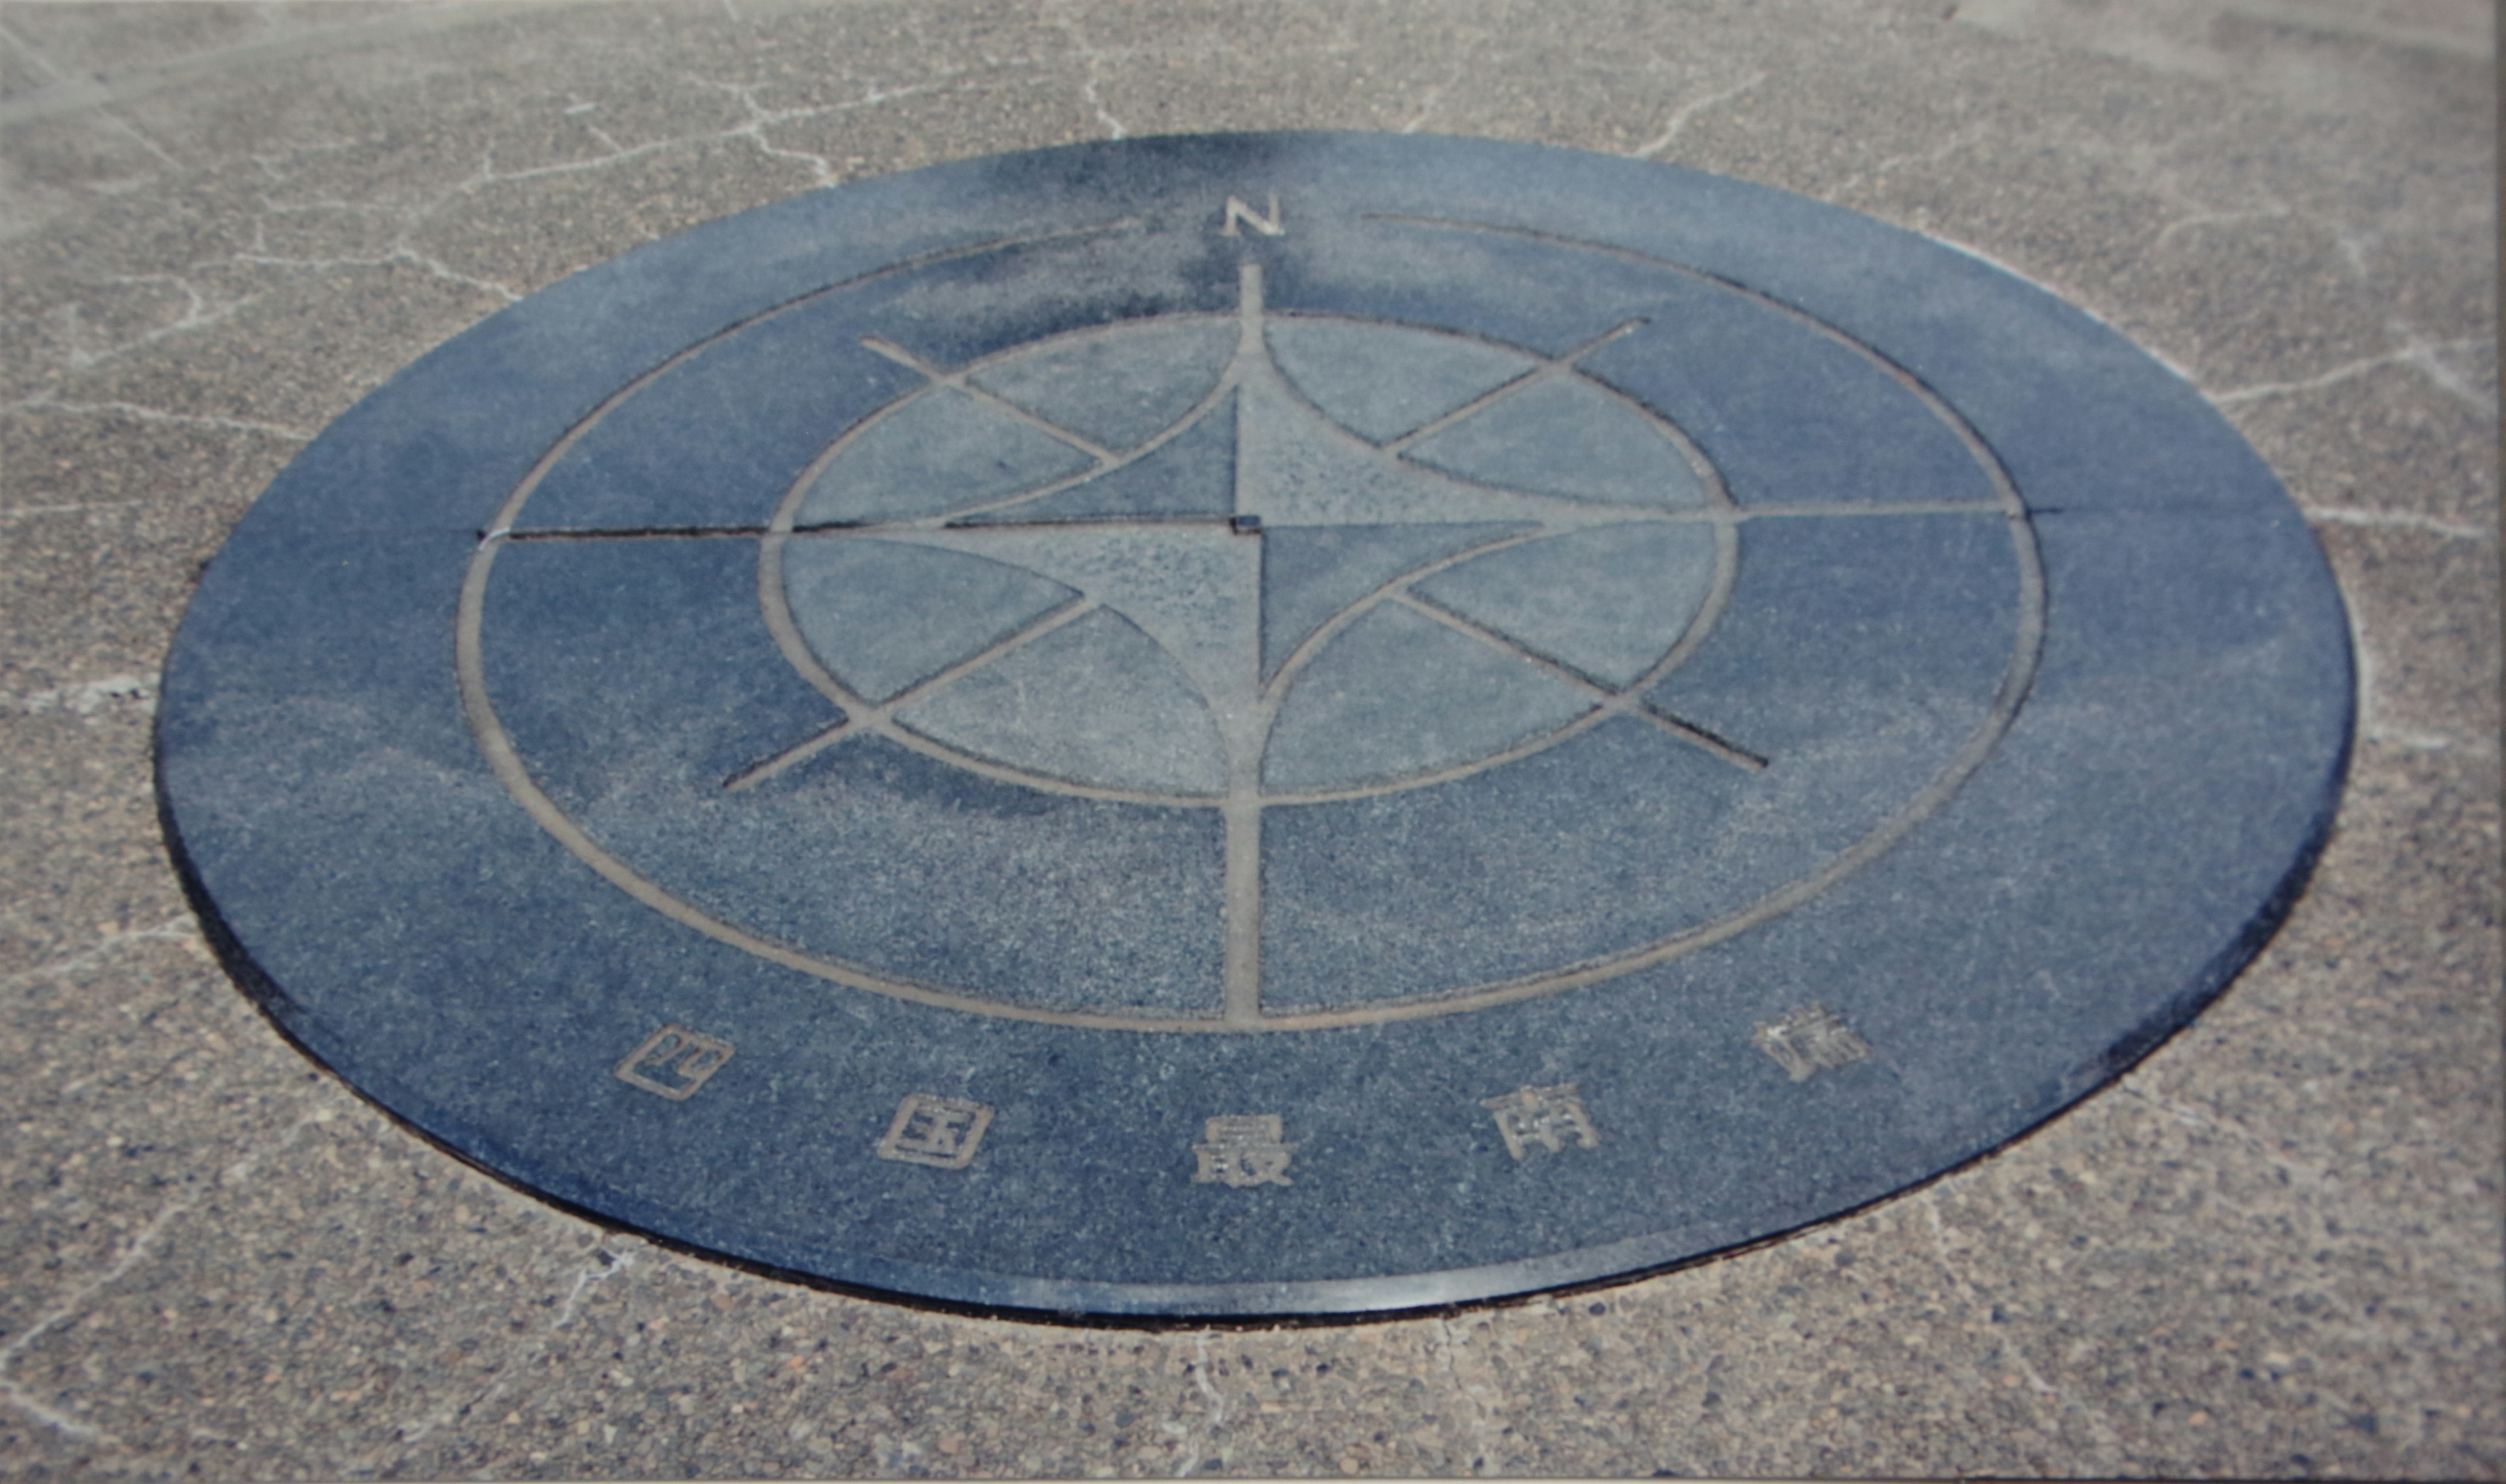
1276,689
1726,577
1250,360
1977,449
1549,369
955,381
1191,420
881,713
2017,681
1618,703
1719,502
775,603
513,506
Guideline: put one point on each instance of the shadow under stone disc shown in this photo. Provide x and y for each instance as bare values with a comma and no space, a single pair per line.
1256,724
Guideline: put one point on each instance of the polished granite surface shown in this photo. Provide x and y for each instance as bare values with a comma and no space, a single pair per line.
1031,658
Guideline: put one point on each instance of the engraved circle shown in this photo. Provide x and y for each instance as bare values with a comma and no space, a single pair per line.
1208,565
835,507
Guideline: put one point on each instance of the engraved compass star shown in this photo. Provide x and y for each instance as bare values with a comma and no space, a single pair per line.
1244,561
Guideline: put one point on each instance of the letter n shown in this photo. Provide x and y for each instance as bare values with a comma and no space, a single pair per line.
1239,213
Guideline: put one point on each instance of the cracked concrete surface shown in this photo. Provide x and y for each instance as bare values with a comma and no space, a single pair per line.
2274,1249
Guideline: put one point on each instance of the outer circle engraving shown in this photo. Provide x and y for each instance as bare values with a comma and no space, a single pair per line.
1255,724
1014,504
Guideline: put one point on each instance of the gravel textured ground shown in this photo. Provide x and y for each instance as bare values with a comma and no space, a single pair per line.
2274,1249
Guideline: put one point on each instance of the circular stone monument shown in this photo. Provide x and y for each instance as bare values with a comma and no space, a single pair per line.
1279,723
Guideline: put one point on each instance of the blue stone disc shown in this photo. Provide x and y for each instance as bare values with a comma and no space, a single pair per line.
1256,724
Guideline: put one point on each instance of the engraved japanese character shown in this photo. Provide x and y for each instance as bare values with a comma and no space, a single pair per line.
939,1132
1244,1149
1546,1116
1812,1040
674,1062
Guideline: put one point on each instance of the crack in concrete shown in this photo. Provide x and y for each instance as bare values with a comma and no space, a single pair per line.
400,253
1471,48
138,414
605,1266
172,930
1091,57
71,1305
55,78
1192,1439
82,507
2217,218
2049,1401
126,84
611,1257
2398,520
1481,1419
2419,354
760,116
2372,725
196,314
84,697
1680,117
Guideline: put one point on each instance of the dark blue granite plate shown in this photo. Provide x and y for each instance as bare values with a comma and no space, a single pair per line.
1260,724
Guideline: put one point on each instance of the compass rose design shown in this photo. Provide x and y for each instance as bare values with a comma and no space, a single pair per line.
1309,582
1306,722
1299,587
1255,563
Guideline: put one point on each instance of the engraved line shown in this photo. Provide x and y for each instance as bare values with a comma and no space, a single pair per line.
635,534
2015,686
1625,702
1184,425
790,757
1404,782
513,506
1240,816
956,380
1698,737
1241,898
1709,613
1976,446
906,736
1708,477
1549,369
1320,639
1718,516
817,465
876,717
1797,510
1075,609
958,523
